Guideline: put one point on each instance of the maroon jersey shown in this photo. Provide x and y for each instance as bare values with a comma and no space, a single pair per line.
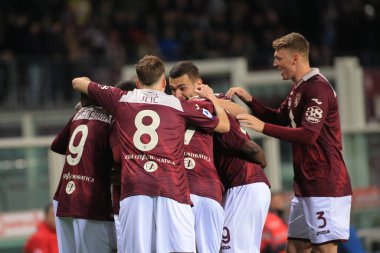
151,127
233,169
116,191
84,187
319,169
199,160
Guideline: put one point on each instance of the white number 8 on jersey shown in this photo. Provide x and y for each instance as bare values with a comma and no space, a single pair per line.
146,129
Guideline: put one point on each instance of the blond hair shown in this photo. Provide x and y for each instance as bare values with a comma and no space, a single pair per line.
293,41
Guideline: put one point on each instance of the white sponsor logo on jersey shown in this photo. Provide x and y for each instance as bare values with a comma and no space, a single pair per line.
314,114
316,100
150,166
70,187
207,113
189,163
198,156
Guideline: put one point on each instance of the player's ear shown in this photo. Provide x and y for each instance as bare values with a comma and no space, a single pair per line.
163,83
296,59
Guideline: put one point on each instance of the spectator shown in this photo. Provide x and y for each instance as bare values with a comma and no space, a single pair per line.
44,240
275,232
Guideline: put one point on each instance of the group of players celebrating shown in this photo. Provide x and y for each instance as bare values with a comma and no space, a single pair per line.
185,175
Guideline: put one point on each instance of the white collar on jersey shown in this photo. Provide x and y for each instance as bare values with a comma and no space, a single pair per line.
310,74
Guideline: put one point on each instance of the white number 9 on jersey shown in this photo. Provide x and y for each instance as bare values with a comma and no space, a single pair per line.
146,129
77,150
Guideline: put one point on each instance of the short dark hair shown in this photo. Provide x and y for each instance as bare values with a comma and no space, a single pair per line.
149,69
86,101
126,85
185,68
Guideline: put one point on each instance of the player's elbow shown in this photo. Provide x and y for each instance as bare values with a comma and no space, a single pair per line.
75,82
80,83
261,159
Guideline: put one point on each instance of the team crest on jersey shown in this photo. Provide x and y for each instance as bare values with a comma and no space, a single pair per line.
207,113
297,99
70,187
314,114
189,163
150,166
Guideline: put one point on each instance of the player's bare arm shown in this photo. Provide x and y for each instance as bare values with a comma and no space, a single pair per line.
233,108
251,121
206,92
81,84
241,93
254,153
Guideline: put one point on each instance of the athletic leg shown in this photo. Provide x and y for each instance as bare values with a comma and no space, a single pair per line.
94,236
175,226
137,224
209,219
246,208
118,233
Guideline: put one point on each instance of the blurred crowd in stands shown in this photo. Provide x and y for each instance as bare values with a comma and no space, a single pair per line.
50,41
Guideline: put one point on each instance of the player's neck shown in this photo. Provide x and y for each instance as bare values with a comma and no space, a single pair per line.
157,87
301,72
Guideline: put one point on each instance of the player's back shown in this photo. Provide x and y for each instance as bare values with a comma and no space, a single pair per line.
199,159
84,189
151,127
233,168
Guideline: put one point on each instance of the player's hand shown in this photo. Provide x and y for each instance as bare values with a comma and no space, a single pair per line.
250,121
205,91
240,92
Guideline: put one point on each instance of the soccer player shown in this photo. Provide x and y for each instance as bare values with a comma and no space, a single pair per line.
155,210
205,186
127,85
309,119
83,199
240,163
184,78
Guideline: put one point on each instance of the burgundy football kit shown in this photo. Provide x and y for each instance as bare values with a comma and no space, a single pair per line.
309,118
155,209
83,197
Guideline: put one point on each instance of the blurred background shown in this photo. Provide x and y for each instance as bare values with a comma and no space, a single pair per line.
45,43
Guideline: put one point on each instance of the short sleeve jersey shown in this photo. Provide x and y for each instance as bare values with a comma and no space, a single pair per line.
151,127
319,169
84,187
233,169
199,159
